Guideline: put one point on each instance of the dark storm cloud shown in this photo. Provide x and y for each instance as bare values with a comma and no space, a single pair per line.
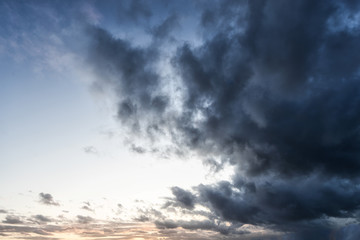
283,202
267,93
273,89
47,199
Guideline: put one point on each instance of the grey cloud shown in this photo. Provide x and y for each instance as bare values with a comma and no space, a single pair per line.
28,229
301,205
214,165
136,11
12,220
259,101
90,150
47,199
138,149
131,71
87,207
349,232
146,215
3,211
199,225
184,198
142,218
163,30
41,218
84,219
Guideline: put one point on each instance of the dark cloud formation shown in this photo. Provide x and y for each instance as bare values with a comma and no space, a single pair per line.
291,204
273,89
47,199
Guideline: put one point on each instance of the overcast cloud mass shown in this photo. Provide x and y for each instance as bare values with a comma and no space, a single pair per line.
270,89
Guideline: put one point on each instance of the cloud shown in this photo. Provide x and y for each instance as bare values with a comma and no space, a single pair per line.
3,211
90,150
138,149
87,207
214,165
142,218
199,225
135,77
47,199
163,30
350,232
272,89
12,220
283,203
84,219
183,198
134,12
41,219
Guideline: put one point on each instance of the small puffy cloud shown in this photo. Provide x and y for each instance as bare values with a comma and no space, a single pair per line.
84,219
47,199
10,219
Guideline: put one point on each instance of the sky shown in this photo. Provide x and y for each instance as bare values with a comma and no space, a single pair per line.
181,120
